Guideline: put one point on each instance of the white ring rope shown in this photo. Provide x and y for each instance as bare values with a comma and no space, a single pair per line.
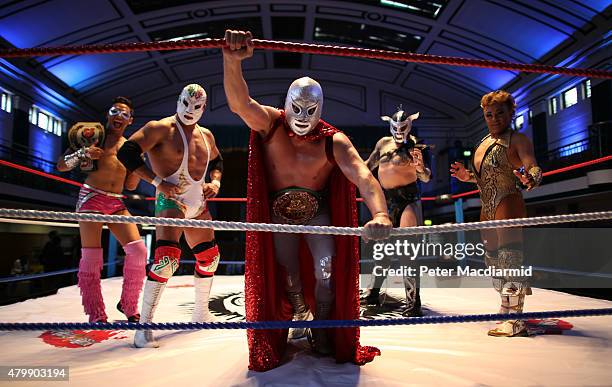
300,229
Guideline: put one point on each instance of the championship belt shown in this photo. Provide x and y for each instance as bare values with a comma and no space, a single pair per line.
296,206
85,134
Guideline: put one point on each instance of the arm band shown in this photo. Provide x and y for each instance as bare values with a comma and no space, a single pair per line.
536,175
217,163
130,156
424,176
157,181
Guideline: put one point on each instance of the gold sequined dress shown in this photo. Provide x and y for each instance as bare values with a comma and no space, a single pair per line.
496,178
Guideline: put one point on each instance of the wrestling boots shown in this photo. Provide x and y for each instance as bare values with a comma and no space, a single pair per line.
134,274
300,313
318,337
413,298
152,293
133,318
512,291
372,294
90,267
371,297
202,293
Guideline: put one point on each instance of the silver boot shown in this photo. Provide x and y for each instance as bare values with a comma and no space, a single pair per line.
512,291
300,313
152,294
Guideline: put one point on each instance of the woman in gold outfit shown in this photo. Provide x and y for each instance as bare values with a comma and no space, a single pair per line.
502,162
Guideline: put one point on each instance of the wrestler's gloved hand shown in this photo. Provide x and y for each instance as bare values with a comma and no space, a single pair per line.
378,228
210,190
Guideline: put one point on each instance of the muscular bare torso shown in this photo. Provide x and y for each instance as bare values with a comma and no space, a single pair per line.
394,168
166,157
291,161
110,173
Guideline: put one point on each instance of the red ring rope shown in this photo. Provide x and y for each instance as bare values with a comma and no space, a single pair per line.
305,48
455,196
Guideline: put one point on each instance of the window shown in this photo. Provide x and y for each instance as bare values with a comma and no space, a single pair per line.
43,120
530,116
46,121
552,106
570,97
587,88
6,101
518,122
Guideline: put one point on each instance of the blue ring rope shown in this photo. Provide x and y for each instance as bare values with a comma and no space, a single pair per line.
302,324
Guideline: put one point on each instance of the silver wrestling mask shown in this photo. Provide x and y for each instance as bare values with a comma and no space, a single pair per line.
191,103
400,124
303,105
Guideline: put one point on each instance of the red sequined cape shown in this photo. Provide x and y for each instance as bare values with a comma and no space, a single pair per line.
265,298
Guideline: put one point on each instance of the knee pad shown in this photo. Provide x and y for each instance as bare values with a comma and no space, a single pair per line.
323,271
207,258
167,257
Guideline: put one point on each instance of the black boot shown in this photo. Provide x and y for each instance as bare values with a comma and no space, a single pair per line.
413,298
134,319
372,297
318,337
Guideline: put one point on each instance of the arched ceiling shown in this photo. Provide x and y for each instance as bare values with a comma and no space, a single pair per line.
357,91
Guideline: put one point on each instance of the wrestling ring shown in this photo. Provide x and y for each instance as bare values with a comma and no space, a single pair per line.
445,356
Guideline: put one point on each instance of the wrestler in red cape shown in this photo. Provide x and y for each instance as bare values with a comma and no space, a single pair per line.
300,172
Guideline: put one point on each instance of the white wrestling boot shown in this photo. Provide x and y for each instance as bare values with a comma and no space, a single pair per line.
152,294
300,313
202,294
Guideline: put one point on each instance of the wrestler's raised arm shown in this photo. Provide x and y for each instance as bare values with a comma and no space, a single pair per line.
353,167
145,139
532,174
374,159
239,47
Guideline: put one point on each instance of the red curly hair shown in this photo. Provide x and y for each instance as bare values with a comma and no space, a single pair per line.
498,96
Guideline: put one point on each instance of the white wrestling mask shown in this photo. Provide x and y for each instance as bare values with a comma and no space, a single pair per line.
191,103
400,124
303,105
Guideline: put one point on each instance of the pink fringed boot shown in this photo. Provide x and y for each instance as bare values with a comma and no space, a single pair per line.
90,267
134,273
